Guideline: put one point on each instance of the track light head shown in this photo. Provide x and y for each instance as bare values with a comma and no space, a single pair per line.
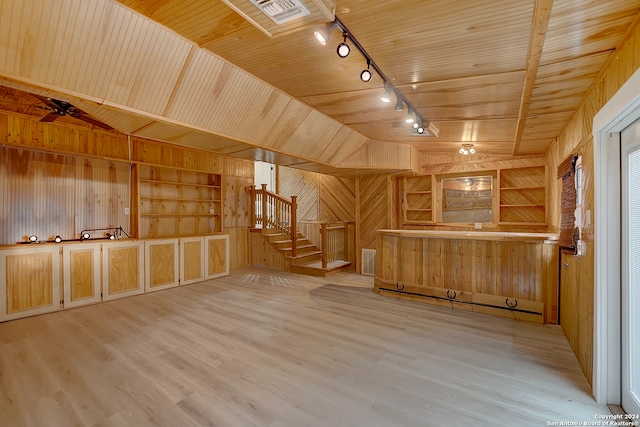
85,236
33,238
399,104
386,96
323,33
343,48
415,125
410,117
366,75
420,129
57,239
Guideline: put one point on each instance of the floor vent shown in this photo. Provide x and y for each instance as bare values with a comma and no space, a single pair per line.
369,262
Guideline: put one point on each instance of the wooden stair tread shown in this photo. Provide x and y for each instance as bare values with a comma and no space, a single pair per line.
315,268
289,248
304,255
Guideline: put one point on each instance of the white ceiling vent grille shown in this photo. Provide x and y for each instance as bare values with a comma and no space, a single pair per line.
281,11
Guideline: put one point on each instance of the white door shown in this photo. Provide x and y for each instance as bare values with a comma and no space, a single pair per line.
630,292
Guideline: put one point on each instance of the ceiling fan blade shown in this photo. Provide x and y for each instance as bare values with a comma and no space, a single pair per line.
93,121
48,102
50,117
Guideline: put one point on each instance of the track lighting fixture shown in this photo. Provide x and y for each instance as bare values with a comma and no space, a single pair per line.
323,33
85,236
33,238
399,104
343,48
366,75
410,116
386,96
467,149
57,239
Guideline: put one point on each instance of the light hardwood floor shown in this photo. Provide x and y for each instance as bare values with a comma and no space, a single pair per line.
266,348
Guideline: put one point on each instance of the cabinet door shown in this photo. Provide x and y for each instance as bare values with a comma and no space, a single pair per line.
29,281
81,272
216,256
122,269
192,260
161,264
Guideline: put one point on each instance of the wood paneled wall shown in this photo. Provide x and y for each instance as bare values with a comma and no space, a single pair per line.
576,311
48,195
58,179
304,185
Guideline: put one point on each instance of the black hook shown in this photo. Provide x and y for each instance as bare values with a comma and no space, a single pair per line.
400,286
454,294
514,305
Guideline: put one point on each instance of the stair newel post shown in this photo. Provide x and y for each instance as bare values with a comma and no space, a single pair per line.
294,226
346,242
252,211
323,241
264,207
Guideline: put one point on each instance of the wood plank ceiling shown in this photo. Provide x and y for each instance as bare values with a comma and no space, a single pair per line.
504,75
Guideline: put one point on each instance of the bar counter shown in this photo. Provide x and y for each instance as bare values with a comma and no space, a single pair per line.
507,274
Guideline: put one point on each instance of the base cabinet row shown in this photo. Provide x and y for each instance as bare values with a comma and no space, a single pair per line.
41,278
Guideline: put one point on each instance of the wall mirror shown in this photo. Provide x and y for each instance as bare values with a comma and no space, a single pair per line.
467,199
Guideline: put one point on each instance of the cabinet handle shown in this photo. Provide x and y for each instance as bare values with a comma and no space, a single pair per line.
565,265
449,296
514,305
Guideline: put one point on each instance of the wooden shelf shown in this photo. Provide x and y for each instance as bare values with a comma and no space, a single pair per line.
418,210
171,199
179,184
522,206
179,215
165,194
418,192
520,188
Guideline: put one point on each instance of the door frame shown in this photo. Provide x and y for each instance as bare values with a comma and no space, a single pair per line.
619,112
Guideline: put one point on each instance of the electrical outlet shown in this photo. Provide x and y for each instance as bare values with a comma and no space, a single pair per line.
126,211
478,226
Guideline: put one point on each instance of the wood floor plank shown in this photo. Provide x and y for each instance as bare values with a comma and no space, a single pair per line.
267,348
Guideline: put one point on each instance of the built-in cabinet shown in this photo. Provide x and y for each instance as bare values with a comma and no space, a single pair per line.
523,195
517,196
417,200
177,202
45,277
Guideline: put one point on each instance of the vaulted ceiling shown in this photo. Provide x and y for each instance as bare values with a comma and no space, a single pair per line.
504,75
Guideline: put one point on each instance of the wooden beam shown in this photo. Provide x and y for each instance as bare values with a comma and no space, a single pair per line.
541,15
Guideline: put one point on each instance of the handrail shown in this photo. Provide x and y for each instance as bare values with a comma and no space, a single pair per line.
271,211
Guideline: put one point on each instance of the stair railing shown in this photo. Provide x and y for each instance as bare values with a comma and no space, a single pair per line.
335,242
271,211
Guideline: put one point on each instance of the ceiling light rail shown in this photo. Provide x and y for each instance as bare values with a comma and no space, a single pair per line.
322,35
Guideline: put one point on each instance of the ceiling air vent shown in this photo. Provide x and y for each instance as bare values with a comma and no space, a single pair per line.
281,11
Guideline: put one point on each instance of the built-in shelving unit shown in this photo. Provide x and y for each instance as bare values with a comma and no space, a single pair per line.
523,195
179,203
417,200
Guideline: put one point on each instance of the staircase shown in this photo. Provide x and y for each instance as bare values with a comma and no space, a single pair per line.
275,218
